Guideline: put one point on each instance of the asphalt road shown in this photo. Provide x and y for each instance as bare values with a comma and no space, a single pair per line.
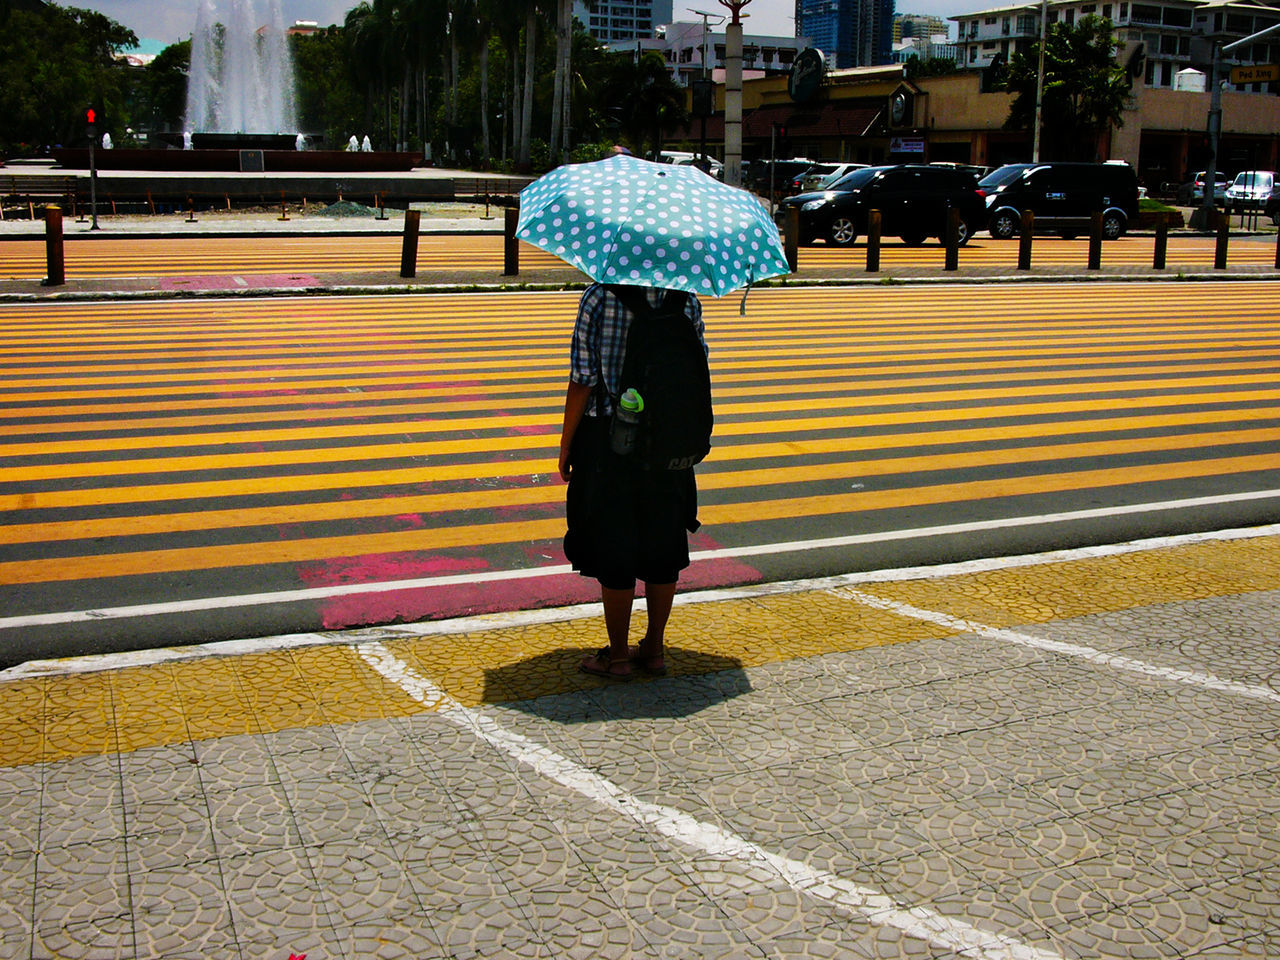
304,257
181,471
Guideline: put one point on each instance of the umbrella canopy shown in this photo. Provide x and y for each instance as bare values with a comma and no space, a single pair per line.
630,221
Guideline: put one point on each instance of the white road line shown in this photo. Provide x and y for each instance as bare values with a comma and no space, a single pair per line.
1080,651
524,618
709,839
754,550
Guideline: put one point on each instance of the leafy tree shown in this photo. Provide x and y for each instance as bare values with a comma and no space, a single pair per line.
54,62
931,67
1085,89
642,99
328,102
162,90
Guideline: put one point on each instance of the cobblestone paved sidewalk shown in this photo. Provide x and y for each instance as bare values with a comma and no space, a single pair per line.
1065,756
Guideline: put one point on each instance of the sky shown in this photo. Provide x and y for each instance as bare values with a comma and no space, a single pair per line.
168,21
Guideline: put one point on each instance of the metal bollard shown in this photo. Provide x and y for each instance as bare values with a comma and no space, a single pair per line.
791,238
1024,240
873,241
191,205
1220,248
1095,240
53,248
409,248
510,245
952,238
284,211
1162,242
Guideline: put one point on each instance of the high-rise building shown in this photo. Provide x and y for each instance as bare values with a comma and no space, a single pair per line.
851,33
611,21
917,25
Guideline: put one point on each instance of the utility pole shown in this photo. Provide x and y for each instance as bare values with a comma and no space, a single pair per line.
1044,24
733,93
1203,217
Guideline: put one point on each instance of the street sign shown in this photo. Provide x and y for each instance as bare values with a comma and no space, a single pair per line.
1256,73
906,145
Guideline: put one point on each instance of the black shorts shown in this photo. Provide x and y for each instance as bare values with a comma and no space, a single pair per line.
625,523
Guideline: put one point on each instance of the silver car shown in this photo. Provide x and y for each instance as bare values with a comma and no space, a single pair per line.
1249,190
822,175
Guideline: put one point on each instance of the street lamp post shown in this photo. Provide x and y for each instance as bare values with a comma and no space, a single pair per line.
706,73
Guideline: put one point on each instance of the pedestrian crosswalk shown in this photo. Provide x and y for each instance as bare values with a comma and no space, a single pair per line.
169,451
438,255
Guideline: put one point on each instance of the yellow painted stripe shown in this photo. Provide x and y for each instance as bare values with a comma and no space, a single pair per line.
517,496
218,556
280,391
548,440
354,410
451,425
720,454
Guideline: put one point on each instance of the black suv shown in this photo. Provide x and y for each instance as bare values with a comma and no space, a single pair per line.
912,200
1063,197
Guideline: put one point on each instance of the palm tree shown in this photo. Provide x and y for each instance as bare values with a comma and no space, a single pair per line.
1085,88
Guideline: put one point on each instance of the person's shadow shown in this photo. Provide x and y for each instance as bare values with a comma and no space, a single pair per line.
550,685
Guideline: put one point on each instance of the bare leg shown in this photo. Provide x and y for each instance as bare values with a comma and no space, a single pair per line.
614,660
617,620
658,598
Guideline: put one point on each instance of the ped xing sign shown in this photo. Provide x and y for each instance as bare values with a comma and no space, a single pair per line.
1256,73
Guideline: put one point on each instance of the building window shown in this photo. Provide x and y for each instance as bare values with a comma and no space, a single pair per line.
973,54
990,21
1146,13
1071,18
1004,26
1177,18
1088,8
1124,10
1106,10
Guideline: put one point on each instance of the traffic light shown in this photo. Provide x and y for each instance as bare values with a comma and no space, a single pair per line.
91,119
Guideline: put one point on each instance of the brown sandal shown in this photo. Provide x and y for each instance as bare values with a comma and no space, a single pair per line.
653,666
601,664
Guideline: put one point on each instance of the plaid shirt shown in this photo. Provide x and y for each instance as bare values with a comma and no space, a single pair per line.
600,339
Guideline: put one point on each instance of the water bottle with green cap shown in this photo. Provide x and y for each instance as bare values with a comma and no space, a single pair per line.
626,422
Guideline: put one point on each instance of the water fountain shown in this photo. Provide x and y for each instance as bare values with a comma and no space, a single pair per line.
241,89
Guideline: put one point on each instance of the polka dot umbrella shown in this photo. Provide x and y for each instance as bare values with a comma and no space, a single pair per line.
630,221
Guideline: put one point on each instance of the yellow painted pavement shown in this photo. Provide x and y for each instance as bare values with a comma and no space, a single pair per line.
57,717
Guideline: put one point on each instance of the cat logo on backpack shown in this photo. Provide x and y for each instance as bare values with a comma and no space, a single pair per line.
666,363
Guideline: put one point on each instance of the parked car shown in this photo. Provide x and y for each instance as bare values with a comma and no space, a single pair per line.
913,200
1272,209
822,175
1249,190
978,171
1192,194
706,164
1063,197
782,172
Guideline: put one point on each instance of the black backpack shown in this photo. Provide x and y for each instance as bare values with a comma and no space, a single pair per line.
666,362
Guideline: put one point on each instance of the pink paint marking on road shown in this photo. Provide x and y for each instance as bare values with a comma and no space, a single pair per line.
537,590
240,282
